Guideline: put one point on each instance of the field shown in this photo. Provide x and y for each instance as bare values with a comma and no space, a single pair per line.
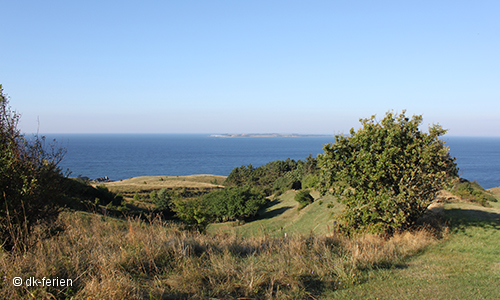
143,186
146,184
283,254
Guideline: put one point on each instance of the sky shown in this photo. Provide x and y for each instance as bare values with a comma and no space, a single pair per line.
307,67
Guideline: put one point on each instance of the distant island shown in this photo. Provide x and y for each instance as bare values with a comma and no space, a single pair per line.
246,135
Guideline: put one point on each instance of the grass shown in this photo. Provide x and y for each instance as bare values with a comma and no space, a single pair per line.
150,183
136,191
115,259
282,216
110,258
464,265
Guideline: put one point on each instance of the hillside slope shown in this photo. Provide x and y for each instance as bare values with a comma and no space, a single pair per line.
281,216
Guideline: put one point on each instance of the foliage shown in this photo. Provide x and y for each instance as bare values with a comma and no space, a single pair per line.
153,195
274,177
192,211
289,181
162,200
79,194
304,198
310,181
386,173
472,191
137,197
30,180
233,203
103,196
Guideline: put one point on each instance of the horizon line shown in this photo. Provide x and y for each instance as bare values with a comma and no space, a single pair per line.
232,134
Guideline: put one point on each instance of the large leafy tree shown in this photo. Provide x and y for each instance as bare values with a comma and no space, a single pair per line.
386,173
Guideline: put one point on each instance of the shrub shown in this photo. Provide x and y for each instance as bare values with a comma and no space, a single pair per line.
105,196
192,211
117,200
304,198
386,173
162,201
288,181
81,195
31,183
310,181
473,191
137,197
275,176
234,203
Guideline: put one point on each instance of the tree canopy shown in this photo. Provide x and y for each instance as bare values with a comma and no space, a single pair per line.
276,176
386,173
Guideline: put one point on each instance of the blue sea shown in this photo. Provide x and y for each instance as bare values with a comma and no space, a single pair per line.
121,156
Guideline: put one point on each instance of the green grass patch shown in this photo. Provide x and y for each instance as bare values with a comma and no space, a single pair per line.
281,216
464,265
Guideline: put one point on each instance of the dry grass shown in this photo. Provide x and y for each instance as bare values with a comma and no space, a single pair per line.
143,186
169,182
114,259
495,191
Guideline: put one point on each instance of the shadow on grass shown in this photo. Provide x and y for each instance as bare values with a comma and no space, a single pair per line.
275,212
460,219
315,285
266,213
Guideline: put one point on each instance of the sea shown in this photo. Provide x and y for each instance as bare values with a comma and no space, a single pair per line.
121,156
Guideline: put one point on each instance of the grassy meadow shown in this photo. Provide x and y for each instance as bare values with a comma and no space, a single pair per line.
117,258
141,187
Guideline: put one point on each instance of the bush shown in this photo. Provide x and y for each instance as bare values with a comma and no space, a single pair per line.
105,196
81,195
289,181
137,197
234,203
310,181
473,192
192,211
386,173
117,200
162,200
304,198
31,183
275,176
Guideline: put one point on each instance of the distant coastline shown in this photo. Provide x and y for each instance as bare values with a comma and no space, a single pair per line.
247,135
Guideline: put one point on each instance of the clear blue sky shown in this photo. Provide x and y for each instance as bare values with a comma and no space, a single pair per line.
250,66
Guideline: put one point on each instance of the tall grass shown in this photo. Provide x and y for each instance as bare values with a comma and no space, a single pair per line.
114,259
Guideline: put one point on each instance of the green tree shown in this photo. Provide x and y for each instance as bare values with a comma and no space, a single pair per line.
386,173
274,177
192,211
234,203
162,201
31,183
